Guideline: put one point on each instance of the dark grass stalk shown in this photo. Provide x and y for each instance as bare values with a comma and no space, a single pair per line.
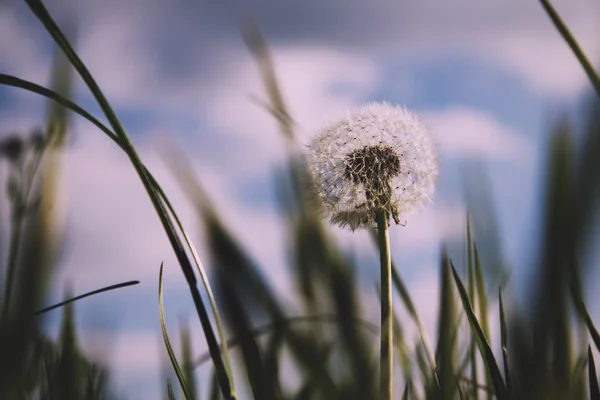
82,296
386,362
484,347
594,389
186,357
170,392
447,332
11,263
483,305
583,313
471,275
568,37
225,376
504,342
19,210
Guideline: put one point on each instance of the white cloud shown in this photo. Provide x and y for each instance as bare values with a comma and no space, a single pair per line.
467,132
517,36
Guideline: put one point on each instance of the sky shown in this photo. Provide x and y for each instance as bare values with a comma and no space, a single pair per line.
484,76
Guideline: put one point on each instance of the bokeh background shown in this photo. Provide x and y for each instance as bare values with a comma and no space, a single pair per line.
487,77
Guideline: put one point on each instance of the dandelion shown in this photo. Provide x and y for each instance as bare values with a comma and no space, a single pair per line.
374,165
379,158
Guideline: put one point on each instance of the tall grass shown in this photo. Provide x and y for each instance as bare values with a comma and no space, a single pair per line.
330,344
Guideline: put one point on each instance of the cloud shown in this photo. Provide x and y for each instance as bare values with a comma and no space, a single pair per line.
307,77
113,231
467,132
170,53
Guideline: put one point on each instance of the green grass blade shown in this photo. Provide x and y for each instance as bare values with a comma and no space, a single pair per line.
262,385
172,357
215,393
276,106
579,386
568,37
483,305
481,293
484,347
583,313
81,296
170,393
187,360
471,282
594,389
406,392
447,346
504,341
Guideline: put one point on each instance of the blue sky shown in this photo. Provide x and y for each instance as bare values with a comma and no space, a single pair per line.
484,75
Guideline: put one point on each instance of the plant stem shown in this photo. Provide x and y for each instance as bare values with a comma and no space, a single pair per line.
386,360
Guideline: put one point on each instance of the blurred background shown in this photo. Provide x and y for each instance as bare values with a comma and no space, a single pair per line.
489,79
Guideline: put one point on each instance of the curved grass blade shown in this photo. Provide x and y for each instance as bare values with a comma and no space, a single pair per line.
504,342
594,389
568,37
176,367
484,347
82,296
225,376
583,313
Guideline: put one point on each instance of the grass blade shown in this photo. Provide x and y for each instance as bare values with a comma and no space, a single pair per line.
568,37
170,393
446,350
504,342
81,296
163,326
186,356
276,106
594,389
484,347
471,275
583,313
483,305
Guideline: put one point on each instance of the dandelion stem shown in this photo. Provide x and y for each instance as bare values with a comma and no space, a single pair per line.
386,359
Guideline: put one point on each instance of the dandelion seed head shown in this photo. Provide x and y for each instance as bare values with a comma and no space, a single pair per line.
379,157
